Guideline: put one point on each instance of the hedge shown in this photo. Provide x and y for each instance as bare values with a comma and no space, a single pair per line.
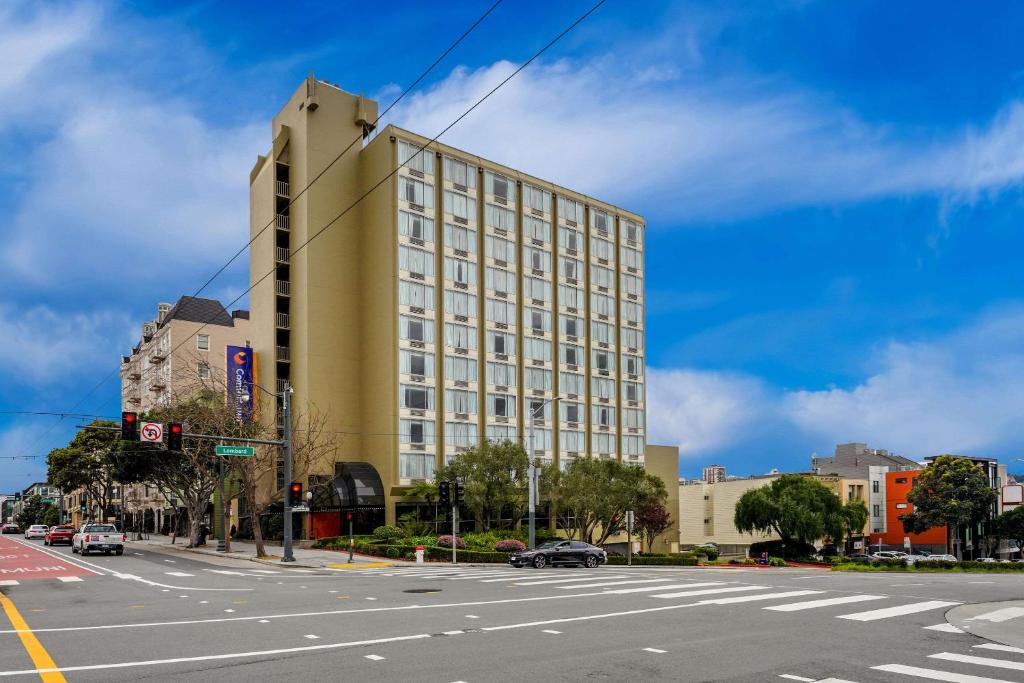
652,560
898,565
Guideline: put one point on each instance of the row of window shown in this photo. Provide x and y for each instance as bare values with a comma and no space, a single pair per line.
422,432
416,397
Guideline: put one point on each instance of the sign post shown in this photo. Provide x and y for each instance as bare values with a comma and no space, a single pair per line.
629,538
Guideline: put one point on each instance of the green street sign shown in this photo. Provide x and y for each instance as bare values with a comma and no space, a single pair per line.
248,451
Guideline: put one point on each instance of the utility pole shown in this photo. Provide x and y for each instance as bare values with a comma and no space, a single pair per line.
222,542
531,473
286,453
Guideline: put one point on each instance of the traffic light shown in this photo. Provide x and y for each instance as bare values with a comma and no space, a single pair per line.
129,426
456,494
444,495
174,436
295,494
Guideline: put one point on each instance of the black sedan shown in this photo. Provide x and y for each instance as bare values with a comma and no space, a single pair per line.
560,552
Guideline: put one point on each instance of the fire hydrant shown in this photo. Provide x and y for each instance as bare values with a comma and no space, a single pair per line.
419,554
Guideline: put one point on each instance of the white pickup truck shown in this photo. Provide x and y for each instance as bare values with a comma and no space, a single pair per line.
101,537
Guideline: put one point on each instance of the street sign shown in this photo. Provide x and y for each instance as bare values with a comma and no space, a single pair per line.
300,508
152,432
247,451
906,541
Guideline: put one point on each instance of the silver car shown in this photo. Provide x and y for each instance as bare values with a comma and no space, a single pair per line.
36,531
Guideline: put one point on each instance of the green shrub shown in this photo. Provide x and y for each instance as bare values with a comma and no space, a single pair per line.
709,550
682,560
388,533
776,562
775,549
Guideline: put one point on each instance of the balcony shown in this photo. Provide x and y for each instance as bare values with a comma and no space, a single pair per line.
282,320
157,385
284,287
281,187
283,354
281,221
157,357
282,384
282,254
135,375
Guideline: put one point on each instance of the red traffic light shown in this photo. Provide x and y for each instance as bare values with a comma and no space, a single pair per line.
297,488
175,428
129,417
348,516
129,426
174,434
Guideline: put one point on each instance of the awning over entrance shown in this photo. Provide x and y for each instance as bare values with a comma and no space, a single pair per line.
358,485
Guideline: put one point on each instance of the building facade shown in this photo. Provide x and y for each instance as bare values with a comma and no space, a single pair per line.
454,303
713,473
707,510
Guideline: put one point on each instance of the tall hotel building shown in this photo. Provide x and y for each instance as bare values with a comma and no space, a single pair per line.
446,307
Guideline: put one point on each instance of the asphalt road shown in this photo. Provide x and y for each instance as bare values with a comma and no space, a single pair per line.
154,615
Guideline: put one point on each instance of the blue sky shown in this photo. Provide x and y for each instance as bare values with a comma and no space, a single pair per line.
833,193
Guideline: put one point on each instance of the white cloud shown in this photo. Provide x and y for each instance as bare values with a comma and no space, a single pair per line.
26,42
701,411
691,147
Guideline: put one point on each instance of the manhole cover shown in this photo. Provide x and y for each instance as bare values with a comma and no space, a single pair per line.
422,590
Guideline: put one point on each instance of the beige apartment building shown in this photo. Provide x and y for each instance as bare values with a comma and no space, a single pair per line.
182,348
451,304
706,511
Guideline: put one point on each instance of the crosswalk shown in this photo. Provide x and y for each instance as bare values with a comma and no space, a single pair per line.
983,663
60,579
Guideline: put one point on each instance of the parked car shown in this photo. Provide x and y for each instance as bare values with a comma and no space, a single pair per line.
560,552
986,559
102,537
861,558
59,534
36,531
888,555
10,529
943,558
914,557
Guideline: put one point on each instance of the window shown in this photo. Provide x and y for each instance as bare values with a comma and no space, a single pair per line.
535,288
501,405
416,261
632,312
459,172
572,354
633,365
416,363
499,217
536,198
876,510
874,486
203,370
497,185
631,284
536,229
415,329
536,259
542,440
570,210
459,336
633,444
459,270
416,398
415,226
500,249
571,325
414,294
632,391
537,378
570,267
603,444
537,409
604,416
460,435
631,258
459,369
901,506
633,339
602,387
416,465
416,192
571,383
457,237
500,311
501,374
499,433
632,418
459,205
500,342
632,231
602,277
570,239
459,303
458,401
603,360
602,249
602,332
602,222
499,280
571,411
203,342
901,480
416,431
415,158
602,305
536,349
539,321
570,297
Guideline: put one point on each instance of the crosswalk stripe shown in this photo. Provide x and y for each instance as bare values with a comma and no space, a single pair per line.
599,584
69,579
488,575
649,589
711,591
999,615
178,574
935,674
887,612
759,596
826,602
980,661
944,627
549,581
534,574
8,582
1000,648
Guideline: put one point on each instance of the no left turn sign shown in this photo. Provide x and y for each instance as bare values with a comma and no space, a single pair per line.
151,431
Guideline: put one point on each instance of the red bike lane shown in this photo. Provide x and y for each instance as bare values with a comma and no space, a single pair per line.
21,562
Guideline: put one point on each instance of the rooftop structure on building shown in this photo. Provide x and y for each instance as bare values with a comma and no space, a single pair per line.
713,473
854,459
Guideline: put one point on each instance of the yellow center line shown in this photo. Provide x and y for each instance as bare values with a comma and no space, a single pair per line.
40,657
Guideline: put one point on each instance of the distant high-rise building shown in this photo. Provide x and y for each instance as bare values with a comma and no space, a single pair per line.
713,473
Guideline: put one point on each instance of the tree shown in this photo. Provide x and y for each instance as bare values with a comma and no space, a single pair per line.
799,509
493,480
593,496
1010,525
652,520
951,492
854,515
33,510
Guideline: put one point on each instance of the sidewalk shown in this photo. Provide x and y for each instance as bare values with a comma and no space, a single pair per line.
245,551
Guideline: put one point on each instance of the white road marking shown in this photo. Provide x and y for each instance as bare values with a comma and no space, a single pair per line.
229,610
548,581
980,661
139,554
375,658
794,677
451,633
976,582
551,631
8,582
655,650
81,564
178,574
371,598
302,571
69,579
825,602
610,583
207,658
182,596
648,589
503,576
935,674
171,561
759,596
519,573
472,616
264,621
264,571
711,591
1001,648
204,602
945,628
887,612
310,636
999,615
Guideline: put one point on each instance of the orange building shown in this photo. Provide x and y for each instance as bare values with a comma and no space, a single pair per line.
897,488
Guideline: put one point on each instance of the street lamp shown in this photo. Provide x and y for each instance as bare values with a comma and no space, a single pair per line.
531,472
